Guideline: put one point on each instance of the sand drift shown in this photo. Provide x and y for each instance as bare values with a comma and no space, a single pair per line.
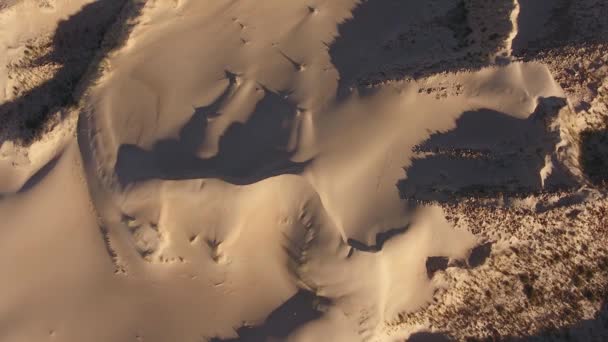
227,167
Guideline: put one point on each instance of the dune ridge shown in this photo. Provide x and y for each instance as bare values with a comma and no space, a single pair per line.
228,164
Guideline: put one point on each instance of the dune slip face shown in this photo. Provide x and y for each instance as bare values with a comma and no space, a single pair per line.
239,170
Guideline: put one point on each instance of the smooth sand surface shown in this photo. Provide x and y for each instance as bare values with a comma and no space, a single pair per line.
228,160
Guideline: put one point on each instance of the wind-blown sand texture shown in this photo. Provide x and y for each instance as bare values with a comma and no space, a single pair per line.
338,170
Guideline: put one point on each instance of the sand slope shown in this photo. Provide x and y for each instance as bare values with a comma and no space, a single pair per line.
236,162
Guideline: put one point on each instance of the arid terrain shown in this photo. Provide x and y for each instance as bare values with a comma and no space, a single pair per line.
319,170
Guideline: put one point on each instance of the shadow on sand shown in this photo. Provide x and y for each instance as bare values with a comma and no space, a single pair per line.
75,47
488,153
392,40
247,152
594,156
298,310
554,24
595,329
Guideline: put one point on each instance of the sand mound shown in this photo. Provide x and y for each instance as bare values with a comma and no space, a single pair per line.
273,170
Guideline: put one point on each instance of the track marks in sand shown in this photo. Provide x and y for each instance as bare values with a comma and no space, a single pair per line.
146,236
151,242
300,234
216,251
119,268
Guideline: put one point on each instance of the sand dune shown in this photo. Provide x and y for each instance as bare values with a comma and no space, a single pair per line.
286,171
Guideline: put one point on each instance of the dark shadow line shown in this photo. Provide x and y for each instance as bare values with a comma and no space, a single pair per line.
40,174
295,312
247,153
381,238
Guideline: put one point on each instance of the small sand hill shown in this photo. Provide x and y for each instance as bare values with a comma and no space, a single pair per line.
232,176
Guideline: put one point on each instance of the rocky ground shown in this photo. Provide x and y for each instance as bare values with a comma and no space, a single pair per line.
543,273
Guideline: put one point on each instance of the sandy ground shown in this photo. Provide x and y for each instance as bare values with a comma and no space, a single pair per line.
303,171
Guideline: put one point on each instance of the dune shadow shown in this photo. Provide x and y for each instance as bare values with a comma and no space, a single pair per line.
391,40
381,239
487,153
295,312
593,329
40,175
594,156
559,23
74,47
429,337
248,152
